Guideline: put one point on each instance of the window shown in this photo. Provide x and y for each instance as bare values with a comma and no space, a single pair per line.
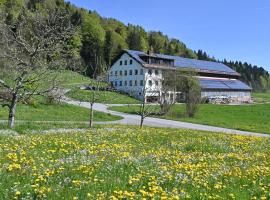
115,73
125,72
125,62
121,73
130,72
111,72
120,83
125,83
141,83
135,83
115,83
171,97
141,72
156,72
130,62
136,72
150,83
130,83
121,62
156,83
150,71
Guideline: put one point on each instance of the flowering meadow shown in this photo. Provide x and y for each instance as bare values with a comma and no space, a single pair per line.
128,163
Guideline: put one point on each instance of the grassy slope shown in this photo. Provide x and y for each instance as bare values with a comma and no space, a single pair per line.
103,97
261,97
55,112
246,117
126,162
70,79
62,112
52,117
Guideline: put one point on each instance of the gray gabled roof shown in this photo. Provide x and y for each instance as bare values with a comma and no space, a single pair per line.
180,62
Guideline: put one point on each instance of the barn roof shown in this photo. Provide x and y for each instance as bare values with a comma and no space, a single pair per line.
180,62
222,84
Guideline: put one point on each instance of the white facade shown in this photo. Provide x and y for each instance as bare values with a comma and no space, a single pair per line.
127,75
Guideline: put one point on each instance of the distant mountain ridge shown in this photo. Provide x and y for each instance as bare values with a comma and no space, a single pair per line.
98,40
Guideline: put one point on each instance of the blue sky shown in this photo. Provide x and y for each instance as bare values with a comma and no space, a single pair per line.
232,29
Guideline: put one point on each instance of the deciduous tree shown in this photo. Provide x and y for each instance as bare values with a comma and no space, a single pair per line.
31,50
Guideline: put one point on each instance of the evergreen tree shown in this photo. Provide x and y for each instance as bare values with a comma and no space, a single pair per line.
108,48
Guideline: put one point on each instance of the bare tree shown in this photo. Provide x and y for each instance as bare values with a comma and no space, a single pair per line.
147,109
98,80
96,84
190,86
31,51
168,90
174,81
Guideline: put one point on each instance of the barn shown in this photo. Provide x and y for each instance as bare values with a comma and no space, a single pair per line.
133,70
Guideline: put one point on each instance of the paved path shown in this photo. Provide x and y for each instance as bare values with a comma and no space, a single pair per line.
129,119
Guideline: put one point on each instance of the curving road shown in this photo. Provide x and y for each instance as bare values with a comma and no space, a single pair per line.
129,119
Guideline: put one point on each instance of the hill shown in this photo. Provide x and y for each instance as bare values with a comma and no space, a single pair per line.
98,40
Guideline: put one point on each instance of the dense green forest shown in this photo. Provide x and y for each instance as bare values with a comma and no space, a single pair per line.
98,40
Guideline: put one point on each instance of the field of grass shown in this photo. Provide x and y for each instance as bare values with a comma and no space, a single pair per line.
56,112
244,117
103,97
261,97
70,79
43,116
129,163
73,80
33,127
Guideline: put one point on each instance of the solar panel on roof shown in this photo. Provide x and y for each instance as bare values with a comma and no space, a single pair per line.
186,62
198,64
212,84
227,84
236,84
223,84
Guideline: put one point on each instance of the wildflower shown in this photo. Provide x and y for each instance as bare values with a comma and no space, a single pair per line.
17,193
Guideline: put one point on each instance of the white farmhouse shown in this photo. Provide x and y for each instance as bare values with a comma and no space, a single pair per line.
138,73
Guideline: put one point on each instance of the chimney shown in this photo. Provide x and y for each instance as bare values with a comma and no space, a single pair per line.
150,52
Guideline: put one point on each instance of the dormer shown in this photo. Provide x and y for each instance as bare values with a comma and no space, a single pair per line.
152,59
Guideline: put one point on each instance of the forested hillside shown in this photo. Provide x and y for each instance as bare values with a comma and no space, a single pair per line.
98,40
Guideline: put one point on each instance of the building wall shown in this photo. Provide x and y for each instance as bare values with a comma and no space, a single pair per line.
234,96
130,64
120,74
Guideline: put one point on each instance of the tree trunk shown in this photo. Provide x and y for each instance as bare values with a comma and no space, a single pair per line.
142,113
142,119
91,115
12,111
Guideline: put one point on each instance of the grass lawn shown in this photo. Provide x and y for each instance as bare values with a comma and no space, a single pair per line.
104,97
29,127
55,113
243,117
128,163
261,97
70,79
